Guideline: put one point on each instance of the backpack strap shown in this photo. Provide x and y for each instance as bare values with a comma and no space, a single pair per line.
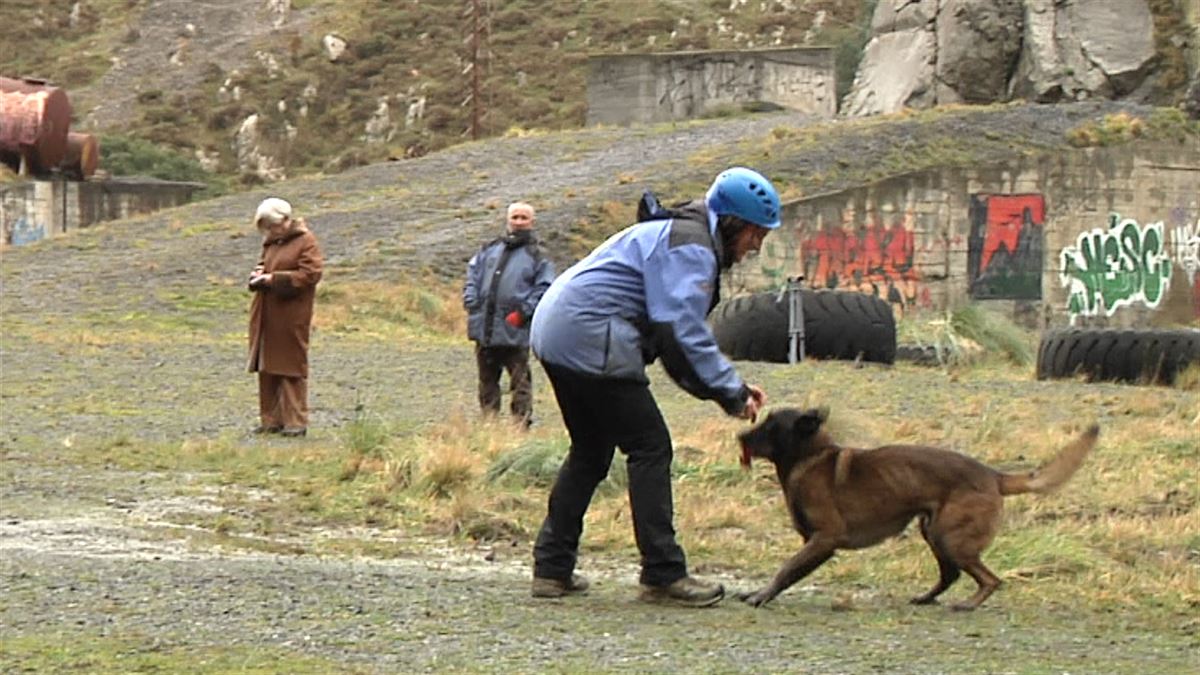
690,226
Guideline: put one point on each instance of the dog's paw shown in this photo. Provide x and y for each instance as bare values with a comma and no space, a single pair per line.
754,599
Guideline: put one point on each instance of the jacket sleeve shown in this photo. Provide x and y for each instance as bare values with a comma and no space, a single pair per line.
679,286
309,267
542,278
471,287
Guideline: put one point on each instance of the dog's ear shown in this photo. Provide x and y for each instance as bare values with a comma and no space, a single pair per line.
809,422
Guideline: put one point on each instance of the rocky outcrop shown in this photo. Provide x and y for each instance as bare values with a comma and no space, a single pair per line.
251,156
1191,102
978,44
931,52
1084,49
897,73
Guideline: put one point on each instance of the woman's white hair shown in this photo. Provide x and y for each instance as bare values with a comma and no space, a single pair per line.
272,211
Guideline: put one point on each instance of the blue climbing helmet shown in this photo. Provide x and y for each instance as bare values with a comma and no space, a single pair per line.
747,194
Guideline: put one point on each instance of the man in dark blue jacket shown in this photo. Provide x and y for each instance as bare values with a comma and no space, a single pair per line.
505,281
640,296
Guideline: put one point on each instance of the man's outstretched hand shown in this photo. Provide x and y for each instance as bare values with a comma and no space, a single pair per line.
754,403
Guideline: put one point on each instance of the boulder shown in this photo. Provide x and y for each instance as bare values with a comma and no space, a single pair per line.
977,47
334,46
929,52
250,155
1191,100
896,72
1083,48
899,15
380,128
280,10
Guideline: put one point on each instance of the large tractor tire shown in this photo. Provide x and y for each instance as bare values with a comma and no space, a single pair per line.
837,325
1137,356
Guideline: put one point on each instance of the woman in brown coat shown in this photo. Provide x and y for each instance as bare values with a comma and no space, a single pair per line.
284,284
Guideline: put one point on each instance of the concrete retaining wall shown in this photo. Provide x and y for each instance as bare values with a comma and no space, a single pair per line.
1101,237
644,88
34,210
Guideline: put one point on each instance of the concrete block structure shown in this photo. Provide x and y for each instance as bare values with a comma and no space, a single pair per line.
646,88
31,210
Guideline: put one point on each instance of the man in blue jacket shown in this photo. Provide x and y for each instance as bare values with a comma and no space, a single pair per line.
505,281
640,296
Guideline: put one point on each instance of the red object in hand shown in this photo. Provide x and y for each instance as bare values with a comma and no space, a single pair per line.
514,319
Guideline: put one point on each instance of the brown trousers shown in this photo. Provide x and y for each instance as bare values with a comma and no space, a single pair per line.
283,401
515,360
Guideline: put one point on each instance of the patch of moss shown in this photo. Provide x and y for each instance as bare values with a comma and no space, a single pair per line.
1162,124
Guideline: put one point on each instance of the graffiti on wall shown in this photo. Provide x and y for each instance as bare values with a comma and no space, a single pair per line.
1004,247
1184,248
868,257
1107,269
779,254
25,231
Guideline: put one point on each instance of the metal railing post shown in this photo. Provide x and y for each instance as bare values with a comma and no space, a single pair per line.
795,319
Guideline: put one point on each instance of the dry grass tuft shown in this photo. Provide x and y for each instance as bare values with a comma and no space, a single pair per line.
1189,379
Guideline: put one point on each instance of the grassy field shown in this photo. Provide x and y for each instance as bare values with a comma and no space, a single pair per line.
1110,560
1122,536
143,529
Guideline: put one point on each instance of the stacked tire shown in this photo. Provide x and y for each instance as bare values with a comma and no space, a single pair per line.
837,325
1135,356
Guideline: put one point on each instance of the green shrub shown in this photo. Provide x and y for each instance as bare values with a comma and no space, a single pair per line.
128,156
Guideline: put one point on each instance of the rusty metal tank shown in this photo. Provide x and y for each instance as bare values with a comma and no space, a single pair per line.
34,117
82,156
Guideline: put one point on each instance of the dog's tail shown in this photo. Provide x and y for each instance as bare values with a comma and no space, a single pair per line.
1054,473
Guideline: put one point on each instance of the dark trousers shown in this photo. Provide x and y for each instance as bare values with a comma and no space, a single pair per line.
515,360
601,415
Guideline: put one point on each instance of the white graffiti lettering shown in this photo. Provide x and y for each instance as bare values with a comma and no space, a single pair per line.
1185,249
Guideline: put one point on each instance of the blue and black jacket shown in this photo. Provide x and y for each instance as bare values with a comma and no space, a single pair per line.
643,295
507,274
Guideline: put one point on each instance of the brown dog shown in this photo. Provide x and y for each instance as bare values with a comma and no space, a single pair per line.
842,498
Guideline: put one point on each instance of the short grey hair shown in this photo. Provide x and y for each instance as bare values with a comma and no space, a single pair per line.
521,205
272,211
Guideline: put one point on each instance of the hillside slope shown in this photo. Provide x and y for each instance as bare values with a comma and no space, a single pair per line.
187,74
426,216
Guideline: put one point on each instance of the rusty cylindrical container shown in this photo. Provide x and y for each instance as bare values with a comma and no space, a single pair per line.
34,117
82,156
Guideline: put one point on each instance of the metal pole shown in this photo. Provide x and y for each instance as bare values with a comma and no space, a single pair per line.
795,319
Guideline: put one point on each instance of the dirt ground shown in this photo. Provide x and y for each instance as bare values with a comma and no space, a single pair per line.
102,556
89,553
